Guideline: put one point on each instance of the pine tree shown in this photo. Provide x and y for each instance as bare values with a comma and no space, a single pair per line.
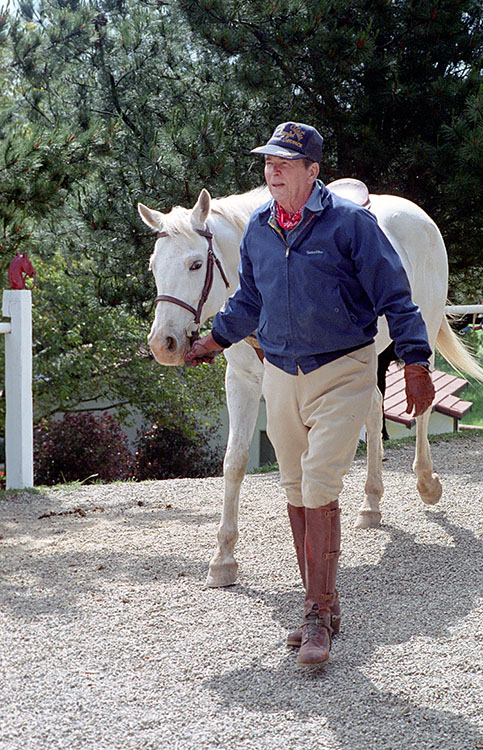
393,85
96,110
40,159
104,104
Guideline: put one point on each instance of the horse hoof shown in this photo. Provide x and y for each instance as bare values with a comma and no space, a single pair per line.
431,499
222,575
368,519
430,492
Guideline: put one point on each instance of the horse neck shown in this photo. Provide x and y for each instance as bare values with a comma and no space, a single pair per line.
15,267
227,238
228,219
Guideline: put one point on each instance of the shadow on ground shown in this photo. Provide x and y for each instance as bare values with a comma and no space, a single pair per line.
383,605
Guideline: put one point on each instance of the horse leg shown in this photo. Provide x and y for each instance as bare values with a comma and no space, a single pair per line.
429,486
384,359
243,394
369,515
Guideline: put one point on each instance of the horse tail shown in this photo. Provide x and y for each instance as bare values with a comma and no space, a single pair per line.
456,353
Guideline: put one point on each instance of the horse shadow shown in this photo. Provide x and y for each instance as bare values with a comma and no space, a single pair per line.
415,590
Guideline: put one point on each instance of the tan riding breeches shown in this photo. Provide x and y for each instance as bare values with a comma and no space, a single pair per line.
314,422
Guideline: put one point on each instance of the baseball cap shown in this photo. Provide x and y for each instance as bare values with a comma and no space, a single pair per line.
293,140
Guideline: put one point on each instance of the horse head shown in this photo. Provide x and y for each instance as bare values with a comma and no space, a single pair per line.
190,280
27,266
19,266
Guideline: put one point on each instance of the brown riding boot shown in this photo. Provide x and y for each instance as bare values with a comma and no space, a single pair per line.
322,550
294,638
297,522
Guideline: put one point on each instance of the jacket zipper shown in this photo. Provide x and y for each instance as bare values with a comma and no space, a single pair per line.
280,234
276,229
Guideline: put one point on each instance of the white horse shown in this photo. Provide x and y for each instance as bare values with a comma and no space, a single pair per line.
191,288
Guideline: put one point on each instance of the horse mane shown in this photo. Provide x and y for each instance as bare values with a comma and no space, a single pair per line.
236,209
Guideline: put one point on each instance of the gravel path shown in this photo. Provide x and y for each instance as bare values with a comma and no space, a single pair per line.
109,640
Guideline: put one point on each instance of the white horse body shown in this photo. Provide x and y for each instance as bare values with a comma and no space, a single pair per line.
177,264
419,244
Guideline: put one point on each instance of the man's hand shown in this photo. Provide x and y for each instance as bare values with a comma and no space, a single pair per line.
419,389
203,350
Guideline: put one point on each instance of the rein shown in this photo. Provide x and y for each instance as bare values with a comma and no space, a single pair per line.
211,260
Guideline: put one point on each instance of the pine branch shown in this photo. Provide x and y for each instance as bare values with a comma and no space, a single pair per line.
36,108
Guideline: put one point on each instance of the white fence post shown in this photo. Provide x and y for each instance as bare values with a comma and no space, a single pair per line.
17,305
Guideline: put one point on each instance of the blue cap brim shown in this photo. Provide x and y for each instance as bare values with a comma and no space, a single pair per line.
282,153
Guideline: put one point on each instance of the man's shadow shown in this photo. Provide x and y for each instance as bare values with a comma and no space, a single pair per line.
415,590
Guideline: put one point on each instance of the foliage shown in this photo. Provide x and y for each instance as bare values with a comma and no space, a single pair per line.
85,351
434,439
104,104
166,451
41,159
395,87
89,130
80,446
130,70
266,468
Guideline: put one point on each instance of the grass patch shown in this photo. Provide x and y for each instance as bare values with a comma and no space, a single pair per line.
8,494
266,468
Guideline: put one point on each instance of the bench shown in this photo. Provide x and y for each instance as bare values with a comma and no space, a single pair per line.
446,400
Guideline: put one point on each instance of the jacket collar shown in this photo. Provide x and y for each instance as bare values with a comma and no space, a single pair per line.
318,201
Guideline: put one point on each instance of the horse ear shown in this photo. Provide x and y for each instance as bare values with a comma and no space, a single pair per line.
152,218
201,209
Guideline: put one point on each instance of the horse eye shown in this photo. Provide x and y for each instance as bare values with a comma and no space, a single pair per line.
196,265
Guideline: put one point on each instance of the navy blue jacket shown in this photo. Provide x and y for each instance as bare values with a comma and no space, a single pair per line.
315,293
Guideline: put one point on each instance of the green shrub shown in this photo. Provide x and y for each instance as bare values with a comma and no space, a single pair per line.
167,451
80,447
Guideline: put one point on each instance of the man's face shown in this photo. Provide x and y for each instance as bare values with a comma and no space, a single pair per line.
290,181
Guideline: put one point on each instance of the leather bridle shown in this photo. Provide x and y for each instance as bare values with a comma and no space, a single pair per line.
211,260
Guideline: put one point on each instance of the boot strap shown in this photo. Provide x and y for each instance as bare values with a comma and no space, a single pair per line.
320,623
323,604
332,513
333,618
328,598
331,555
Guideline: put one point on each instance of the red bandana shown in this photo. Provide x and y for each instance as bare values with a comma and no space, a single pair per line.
286,220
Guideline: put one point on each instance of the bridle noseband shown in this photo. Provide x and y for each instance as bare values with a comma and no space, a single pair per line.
211,260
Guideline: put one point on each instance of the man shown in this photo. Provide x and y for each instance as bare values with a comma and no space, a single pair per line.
315,272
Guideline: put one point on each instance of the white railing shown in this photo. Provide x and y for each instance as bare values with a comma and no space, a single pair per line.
464,309
19,464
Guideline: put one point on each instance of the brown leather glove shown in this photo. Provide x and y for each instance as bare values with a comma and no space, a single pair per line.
419,389
203,350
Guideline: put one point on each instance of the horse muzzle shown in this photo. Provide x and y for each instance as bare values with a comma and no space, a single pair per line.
169,349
